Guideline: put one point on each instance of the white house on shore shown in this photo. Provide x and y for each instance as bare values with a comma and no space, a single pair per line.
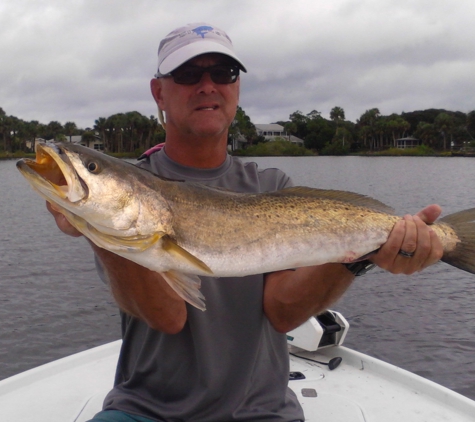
94,143
408,142
274,131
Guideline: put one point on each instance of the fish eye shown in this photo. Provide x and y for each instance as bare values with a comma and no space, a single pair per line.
92,167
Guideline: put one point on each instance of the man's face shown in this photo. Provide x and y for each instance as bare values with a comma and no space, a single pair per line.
204,109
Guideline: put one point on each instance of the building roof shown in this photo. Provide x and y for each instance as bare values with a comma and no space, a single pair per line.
409,138
274,127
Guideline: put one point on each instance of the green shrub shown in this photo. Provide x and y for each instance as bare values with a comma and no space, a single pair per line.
273,148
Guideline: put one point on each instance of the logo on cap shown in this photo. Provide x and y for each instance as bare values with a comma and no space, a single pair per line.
202,30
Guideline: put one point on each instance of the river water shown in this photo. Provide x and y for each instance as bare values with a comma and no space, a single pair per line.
52,303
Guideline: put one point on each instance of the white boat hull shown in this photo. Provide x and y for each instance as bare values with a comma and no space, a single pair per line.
361,389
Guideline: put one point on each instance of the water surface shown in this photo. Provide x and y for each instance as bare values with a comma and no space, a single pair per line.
53,304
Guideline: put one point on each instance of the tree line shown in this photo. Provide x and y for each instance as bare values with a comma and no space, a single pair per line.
131,132
436,128
120,133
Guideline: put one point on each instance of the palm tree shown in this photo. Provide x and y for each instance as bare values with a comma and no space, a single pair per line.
141,128
426,132
470,124
89,137
444,123
155,129
117,125
337,114
70,129
53,129
290,128
100,125
3,127
367,123
398,127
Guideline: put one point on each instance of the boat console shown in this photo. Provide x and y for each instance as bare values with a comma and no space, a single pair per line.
325,330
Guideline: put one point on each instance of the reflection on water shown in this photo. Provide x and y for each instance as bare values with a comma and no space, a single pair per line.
52,303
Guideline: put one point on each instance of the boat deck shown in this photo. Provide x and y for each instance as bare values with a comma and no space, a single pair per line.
361,389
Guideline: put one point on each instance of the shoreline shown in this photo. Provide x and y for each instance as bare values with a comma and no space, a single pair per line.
32,156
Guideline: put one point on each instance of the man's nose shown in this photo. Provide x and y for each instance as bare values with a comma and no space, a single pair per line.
206,84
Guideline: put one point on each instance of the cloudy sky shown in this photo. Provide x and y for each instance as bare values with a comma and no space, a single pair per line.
77,60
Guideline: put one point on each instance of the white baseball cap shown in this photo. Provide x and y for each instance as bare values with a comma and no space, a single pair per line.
190,41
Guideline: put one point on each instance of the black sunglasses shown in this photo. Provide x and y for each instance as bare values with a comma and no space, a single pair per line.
191,75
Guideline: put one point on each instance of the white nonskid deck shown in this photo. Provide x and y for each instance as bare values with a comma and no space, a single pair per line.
66,390
365,389
361,389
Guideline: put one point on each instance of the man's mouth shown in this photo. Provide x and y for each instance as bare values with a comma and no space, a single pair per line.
207,108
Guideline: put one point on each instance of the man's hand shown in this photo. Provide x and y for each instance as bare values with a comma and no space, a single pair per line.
63,224
412,235
138,291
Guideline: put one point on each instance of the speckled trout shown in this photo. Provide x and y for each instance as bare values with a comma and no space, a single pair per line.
183,230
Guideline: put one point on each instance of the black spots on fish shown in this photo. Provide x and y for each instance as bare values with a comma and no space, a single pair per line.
267,216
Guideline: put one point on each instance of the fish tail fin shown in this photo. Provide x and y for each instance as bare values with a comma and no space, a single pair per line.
187,286
463,256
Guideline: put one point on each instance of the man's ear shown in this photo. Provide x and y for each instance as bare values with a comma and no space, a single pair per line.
156,88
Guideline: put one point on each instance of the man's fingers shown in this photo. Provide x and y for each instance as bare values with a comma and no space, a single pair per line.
61,221
412,245
410,242
387,254
430,213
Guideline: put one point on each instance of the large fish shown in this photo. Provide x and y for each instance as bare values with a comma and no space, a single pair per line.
184,230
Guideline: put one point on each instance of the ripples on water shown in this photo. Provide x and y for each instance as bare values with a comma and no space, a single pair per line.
426,322
52,303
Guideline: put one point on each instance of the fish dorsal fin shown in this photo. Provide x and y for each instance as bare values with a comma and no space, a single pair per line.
170,246
337,195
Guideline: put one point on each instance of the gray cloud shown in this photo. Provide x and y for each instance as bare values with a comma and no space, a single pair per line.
80,60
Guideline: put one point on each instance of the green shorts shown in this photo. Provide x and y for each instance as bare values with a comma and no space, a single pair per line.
118,416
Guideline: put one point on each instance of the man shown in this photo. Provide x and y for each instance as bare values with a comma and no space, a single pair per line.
229,362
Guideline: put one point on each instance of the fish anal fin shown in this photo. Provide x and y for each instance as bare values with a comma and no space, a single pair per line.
187,286
170,246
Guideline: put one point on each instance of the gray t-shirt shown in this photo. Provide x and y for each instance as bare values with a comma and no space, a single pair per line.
228,363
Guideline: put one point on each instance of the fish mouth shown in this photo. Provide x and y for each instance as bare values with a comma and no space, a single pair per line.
53,173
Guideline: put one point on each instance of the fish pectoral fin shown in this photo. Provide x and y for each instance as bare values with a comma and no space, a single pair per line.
135,244
170,246
116,244
187,286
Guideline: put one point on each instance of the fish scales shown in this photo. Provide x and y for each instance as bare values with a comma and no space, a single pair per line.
183,230
244,228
